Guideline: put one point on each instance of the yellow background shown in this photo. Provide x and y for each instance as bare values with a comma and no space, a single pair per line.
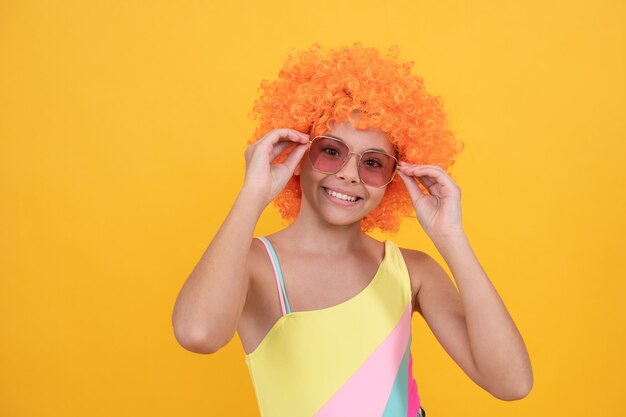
123,126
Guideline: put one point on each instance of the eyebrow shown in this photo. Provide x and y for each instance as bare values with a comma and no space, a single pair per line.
369,149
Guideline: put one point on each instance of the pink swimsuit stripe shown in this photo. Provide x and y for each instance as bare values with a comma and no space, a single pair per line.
368,391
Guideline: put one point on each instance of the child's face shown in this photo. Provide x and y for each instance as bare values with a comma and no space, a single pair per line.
321,192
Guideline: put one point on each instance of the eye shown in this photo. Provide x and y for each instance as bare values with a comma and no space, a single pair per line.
331,151
372,163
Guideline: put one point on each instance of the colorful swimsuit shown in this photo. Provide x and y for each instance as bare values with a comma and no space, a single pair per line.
351,359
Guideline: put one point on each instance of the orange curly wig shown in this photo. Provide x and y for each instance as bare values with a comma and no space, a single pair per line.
314,89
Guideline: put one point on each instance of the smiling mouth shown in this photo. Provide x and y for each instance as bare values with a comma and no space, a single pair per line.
344,197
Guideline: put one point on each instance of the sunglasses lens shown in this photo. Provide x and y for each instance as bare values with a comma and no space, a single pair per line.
327,155
376,168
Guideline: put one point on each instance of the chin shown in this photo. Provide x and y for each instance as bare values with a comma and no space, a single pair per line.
338,220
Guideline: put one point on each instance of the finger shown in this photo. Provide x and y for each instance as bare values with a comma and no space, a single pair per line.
433,170
279,148
424,179
410,171
429,174
409,165
437,180
412,187
285,134
295,156
427,183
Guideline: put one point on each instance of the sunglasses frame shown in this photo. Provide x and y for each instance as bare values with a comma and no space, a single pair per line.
348,157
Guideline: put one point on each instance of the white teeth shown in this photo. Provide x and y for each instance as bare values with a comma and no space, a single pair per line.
340,196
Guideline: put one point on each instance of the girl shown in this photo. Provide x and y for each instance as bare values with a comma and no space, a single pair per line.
322,309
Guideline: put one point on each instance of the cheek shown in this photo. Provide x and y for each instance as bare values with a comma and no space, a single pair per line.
309,178
376,195
304,162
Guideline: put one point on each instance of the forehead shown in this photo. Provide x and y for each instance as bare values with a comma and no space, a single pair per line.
361,140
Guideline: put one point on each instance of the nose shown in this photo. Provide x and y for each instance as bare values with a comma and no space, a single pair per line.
350,171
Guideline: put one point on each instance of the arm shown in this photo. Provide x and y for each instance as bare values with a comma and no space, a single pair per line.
472,324
210,303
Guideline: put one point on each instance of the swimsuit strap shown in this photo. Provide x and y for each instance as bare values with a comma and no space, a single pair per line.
280,283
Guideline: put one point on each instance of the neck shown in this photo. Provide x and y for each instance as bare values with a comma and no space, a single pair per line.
310,232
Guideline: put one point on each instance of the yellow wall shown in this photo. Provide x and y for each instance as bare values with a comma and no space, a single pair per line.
122,129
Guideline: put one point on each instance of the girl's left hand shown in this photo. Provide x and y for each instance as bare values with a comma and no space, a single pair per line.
439,212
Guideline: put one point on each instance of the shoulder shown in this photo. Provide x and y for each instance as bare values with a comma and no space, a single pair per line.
261,284
423,270
418,261
257,248
259,267
258,258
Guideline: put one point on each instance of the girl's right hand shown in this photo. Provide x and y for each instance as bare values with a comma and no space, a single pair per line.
265,179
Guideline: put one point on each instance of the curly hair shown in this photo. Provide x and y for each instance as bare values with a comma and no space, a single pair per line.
315,89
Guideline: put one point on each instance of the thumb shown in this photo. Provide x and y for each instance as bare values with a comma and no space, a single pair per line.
411,185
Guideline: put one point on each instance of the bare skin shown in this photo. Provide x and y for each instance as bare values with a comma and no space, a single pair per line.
325,285
472,323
